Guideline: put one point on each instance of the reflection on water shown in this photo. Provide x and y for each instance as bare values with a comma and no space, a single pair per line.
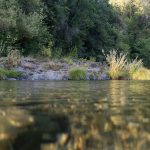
102,115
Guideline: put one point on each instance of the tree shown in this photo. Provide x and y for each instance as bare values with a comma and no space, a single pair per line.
21,29
85,25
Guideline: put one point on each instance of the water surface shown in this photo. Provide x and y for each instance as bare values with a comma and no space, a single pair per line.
75,115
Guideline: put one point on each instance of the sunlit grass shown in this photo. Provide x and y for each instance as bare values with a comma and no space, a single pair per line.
77,74
133,67
117,64
68,60
121,68
141,74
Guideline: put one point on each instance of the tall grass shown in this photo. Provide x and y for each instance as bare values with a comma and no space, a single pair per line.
77,74
141,74
117,64
13,58
121,68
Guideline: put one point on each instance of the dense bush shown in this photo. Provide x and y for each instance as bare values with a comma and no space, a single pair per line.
141,74
21,29
77,74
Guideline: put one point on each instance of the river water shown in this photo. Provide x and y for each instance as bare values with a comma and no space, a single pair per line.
75,115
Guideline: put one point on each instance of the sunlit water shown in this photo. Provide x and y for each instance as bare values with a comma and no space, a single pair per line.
94,115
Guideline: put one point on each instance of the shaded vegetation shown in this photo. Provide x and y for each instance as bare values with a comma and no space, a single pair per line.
78,29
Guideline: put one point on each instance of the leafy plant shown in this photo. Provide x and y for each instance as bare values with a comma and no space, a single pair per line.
73,53
92,59
47,51
57,53
3,73
68,60
13,74
77,74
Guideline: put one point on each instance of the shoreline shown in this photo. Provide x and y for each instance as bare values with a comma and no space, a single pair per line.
34,69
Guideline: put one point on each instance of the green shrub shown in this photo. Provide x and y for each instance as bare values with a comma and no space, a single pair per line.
5,73
77,74
57,53
73,53
68,60
13,74
47,51
92,59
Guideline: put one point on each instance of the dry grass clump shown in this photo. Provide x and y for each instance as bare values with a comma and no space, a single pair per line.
121,68
13,58
141,74
117,64
53,66
134,66
68,60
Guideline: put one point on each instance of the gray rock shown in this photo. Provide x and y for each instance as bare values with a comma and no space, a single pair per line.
33,69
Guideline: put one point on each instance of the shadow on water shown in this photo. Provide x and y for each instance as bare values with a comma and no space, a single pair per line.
75,115
47,128
20,130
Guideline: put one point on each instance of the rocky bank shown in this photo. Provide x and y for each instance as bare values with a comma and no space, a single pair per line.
46,69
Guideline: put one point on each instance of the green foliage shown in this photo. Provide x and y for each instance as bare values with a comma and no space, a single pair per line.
20,29
73,53
83,25
77,74
76,29
68,60
13,74
57,53
92,59
4,73
47,51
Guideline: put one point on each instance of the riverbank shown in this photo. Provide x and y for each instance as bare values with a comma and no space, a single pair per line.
47,69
